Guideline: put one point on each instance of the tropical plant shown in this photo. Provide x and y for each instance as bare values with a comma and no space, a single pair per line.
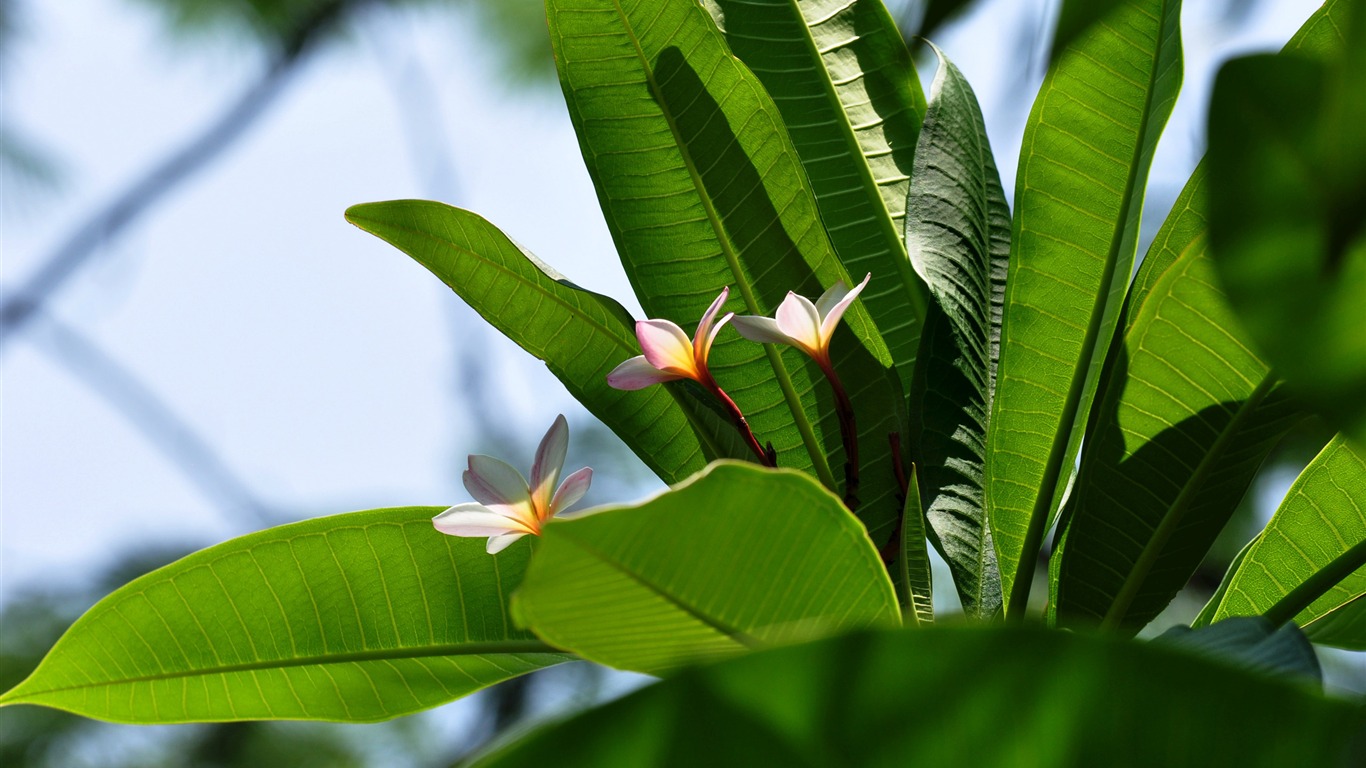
1001,374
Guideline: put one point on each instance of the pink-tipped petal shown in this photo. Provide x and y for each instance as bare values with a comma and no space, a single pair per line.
573,489
499,543
704,351
637,373
704,327
666,347
833,304
494,481
798,319
545,472
476,520
761,329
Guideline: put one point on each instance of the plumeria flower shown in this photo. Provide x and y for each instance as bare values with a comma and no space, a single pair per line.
806,326
507,507
669,353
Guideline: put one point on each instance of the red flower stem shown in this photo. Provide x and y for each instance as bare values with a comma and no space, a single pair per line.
738,418
848,433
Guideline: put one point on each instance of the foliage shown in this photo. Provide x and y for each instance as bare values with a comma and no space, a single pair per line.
1001,375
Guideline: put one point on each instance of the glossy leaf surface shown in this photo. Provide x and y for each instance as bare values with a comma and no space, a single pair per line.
851,100
898,698
737,558
356,618
702,190
958,239
1083,168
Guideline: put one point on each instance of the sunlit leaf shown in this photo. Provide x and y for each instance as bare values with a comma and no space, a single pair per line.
702,190
958,239
900,699
357,618
579,334
1321,521
850,98
1188,414
738,558
1083,168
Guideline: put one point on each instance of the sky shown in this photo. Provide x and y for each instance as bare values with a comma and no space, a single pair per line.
318,361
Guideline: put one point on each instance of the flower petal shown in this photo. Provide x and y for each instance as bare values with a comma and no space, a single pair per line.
761,329
545,472
833,304
573,489
637,373
798,319
499,543
704,327
494,481
476,520
667,347
703,352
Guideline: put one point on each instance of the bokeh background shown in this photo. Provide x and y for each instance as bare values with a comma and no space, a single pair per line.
196,345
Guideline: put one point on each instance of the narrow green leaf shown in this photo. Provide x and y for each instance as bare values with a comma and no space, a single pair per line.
1207,613
738,557
1288,217
1087,148
958,239
355,618
579,334
702,190
899,699
849,95
1342,627
915,576
1322,518
1188,414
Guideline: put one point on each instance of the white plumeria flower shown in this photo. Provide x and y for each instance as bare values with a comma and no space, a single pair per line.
669,353
806,326
508,507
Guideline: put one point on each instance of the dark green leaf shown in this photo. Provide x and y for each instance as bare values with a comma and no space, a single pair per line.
1049,699
1252,643
739,557
1087,148
579,334
354,618
848,92
702,190
958,239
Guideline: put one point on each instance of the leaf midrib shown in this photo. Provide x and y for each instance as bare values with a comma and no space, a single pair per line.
780,374
516,647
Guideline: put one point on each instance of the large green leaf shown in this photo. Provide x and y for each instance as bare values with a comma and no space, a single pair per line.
848,92
702,190
1083,167
1288,217
355,618
1322,522
958,238
1051,700
739,557
1188,414
579,334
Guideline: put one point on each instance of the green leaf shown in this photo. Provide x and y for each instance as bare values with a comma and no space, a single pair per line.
702,190
1188,414
1288,217
914,574
1321,522
1076,18
579,334
899,699
1252,643
1087,148
739,557
356,618
849,95
1207,613
958,238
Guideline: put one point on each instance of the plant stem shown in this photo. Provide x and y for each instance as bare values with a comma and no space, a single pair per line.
738,418
1317,585
848,433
